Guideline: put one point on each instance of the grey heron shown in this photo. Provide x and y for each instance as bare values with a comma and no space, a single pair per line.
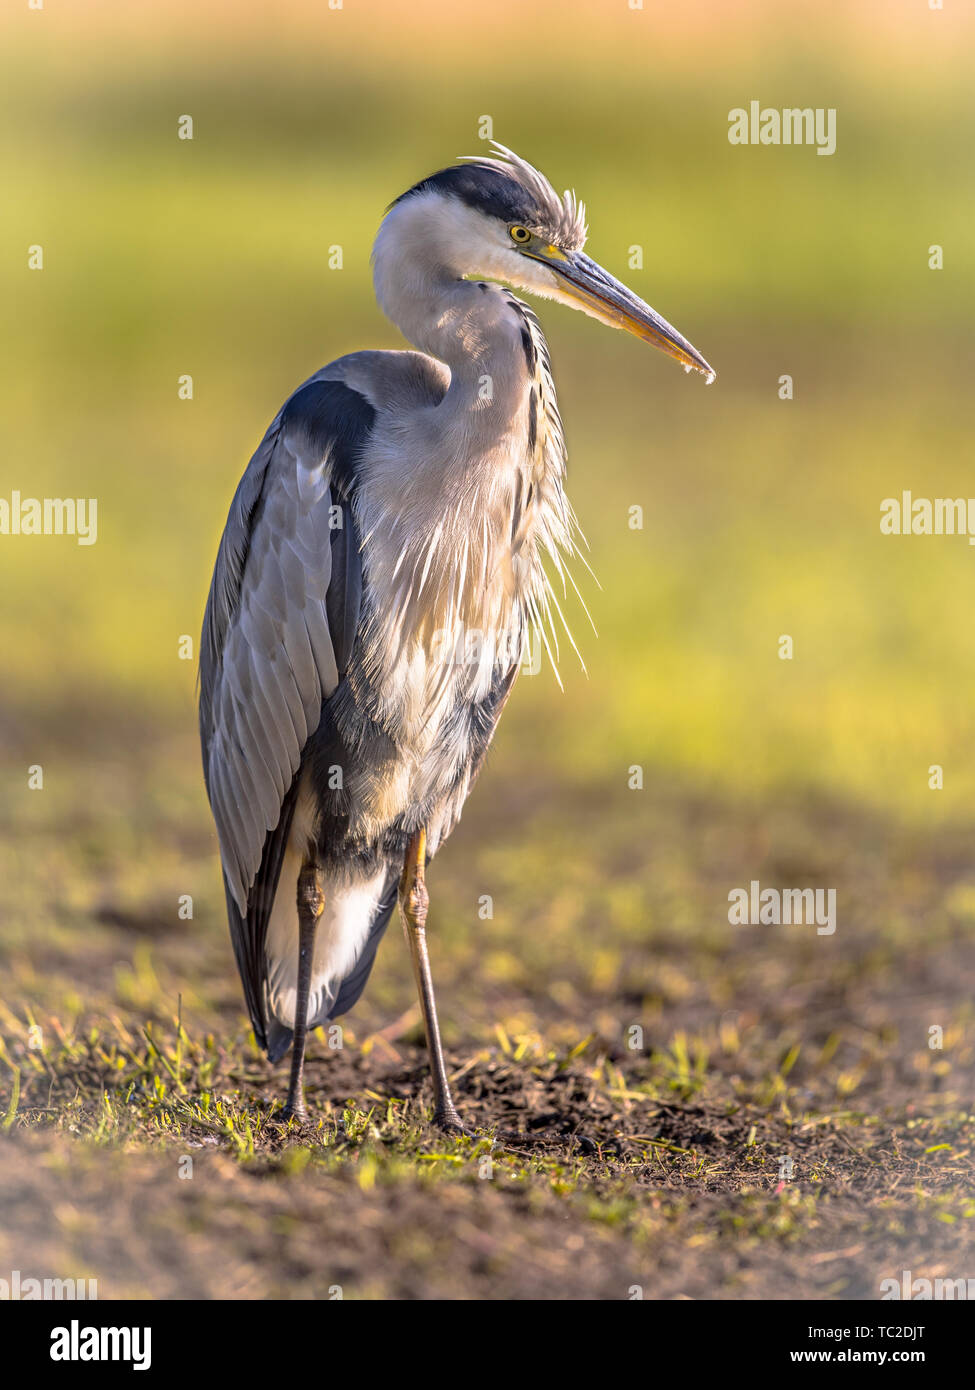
399,502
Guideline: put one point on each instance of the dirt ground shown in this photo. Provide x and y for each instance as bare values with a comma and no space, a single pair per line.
593,1191
665,1105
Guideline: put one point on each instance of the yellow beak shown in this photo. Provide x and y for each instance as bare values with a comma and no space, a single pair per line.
586,286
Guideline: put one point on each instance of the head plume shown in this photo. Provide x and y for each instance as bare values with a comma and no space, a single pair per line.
508,187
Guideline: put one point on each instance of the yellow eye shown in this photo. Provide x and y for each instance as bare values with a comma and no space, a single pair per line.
520,234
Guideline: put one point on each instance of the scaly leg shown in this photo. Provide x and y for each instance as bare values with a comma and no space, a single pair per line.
311,905
414,902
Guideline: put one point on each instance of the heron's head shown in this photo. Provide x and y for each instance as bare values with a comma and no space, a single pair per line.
499,218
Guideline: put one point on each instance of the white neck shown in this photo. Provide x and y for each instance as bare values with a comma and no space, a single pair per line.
466,324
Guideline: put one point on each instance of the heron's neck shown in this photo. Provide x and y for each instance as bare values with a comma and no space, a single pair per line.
487,461
471,326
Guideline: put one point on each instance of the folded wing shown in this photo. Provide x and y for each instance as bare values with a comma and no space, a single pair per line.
278,633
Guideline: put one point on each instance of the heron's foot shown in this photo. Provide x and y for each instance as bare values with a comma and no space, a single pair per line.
446,1118
294,1111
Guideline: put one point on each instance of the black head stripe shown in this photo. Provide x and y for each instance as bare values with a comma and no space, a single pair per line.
487,190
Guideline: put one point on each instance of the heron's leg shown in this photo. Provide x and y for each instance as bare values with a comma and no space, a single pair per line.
414,901
311,905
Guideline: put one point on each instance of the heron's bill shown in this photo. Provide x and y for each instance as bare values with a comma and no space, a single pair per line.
586,286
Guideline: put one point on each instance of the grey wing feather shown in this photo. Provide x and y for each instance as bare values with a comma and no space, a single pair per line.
247,932
280,623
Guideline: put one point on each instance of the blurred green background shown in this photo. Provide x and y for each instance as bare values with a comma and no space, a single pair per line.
209,257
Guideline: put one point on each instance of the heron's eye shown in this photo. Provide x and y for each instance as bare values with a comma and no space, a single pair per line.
520,234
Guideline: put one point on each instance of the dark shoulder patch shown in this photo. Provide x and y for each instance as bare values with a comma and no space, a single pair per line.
330,417
343,602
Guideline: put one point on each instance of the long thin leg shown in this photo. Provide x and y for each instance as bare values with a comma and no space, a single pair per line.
311,905
414,901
